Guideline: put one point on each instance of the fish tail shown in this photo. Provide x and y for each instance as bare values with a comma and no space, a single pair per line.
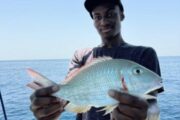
33,86
39,80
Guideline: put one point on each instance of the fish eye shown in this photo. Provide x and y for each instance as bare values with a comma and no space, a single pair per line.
137,71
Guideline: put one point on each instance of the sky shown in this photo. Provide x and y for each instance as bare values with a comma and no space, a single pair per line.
54,29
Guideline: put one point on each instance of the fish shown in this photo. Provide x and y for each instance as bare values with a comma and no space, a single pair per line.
88,86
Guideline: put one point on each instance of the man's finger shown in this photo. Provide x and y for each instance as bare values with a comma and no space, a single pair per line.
49,110
53,116
116,115
46,91
32,97
128,99
34,108
41,101
132,111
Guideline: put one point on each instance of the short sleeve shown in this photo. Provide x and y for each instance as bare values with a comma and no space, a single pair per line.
79,59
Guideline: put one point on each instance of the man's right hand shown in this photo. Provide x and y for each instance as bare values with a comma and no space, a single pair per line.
45,106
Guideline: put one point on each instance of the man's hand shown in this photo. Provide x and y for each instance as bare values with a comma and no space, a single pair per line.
129,108
44,105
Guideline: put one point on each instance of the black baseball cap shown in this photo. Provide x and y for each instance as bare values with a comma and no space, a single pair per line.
91,4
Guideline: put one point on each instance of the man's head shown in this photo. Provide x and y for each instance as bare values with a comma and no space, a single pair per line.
91,4
107,16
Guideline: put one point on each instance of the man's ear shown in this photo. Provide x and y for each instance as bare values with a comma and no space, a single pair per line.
122,16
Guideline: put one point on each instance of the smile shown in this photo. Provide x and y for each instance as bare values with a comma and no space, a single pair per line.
106,30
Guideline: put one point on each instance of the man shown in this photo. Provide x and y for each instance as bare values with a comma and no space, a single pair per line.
107,16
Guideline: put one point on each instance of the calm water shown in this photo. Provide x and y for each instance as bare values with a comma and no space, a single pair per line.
13,80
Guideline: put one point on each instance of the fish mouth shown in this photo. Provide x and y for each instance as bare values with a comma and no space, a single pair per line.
148,94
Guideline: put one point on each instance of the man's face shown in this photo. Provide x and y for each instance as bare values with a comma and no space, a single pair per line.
107,20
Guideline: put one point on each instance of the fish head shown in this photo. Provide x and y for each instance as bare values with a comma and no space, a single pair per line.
139,80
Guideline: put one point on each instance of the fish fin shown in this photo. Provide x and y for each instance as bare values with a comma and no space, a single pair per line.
108,109
99,59
149,97
95,61
33,86
77,108
70,76
153,112
40,79
156,117
123,83
78,70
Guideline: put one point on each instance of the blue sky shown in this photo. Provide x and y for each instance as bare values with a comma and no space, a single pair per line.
44,29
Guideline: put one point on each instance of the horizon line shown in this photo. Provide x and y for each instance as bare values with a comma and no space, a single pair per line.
44,59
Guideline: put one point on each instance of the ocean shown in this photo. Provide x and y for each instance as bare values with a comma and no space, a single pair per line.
13,80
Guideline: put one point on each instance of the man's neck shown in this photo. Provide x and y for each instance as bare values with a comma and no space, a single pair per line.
113,41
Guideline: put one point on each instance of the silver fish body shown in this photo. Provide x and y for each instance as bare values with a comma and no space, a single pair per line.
89,85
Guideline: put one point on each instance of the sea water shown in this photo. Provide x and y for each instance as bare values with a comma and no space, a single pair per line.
13,80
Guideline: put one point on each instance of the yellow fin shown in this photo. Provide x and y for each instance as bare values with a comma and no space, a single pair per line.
108,109
76,108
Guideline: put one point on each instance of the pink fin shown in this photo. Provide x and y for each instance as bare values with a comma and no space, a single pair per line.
70,76
124,84
35,74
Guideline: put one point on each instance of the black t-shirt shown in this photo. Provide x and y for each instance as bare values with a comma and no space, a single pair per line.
145,56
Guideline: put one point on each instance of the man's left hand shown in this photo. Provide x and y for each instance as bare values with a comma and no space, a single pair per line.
130,107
